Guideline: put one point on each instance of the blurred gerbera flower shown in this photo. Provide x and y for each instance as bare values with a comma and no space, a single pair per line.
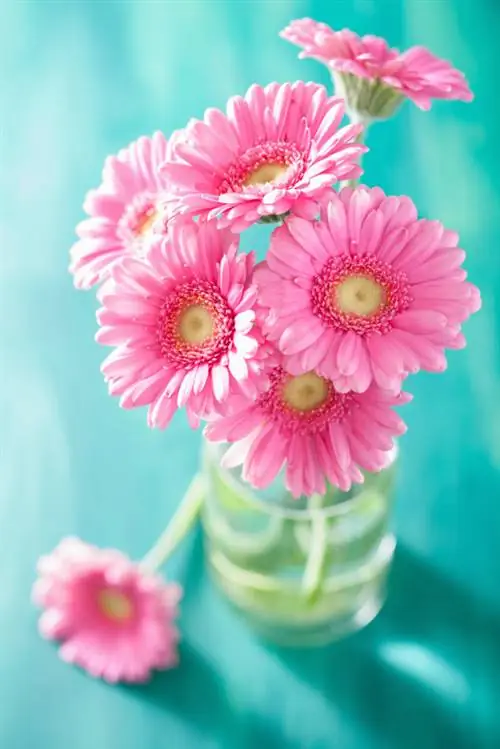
275,150
372,77
183,324
303,423
370,292
114,619
124,211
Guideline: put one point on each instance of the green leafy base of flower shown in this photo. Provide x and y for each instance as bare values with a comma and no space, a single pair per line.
367,99
273,218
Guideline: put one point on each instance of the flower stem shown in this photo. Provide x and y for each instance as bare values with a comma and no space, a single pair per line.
178,527
359,139
313,573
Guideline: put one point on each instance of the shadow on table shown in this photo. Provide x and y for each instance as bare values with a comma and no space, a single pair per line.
197,693
426,673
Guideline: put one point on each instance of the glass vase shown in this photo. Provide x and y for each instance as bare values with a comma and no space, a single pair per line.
302,572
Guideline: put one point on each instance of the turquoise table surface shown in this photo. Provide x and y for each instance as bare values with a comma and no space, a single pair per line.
79,80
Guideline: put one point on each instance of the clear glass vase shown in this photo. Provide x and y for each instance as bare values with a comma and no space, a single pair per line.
303,572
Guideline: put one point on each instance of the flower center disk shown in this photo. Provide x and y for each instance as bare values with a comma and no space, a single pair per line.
305,392
115,605
137,222
264,165
302,404
144,221
264,174
359,294
196,325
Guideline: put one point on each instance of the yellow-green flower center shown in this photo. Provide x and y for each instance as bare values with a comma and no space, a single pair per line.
359,295
264,174
195,324
115,605
306,392
145,223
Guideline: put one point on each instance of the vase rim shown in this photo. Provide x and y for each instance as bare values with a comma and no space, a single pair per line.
212,451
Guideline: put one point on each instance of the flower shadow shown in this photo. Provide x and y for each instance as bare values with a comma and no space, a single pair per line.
215,715
196,692
425,673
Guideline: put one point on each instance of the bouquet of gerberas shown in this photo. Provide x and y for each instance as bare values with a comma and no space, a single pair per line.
298,361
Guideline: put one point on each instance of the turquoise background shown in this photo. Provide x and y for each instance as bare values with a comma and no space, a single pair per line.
78,81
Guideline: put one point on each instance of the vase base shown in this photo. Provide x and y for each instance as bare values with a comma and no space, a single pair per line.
280,611
313,635
323,633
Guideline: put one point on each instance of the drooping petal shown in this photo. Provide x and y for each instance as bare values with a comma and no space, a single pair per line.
358,62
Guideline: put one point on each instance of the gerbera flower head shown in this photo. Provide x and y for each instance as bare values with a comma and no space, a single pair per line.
183,324
368,293
114,619
301,422
373,78
273,151
124,211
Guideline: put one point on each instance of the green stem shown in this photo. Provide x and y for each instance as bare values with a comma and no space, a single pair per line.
313,573
178,527
359,139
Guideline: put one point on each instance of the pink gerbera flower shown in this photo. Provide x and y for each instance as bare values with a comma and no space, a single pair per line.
368,293
183,324
274,151
114,619
302,422
124,211
416,74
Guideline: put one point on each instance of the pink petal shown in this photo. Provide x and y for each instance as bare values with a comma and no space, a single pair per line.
371,233
186,387
244,321
392,245
361,379
245,345
348,353
420,321
237,453
237,366
201,377
303,233
300,335
220,383
263,464
161,412
431,356
146,391
175,382
438,266
52,624
386,362
340,445
313,356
